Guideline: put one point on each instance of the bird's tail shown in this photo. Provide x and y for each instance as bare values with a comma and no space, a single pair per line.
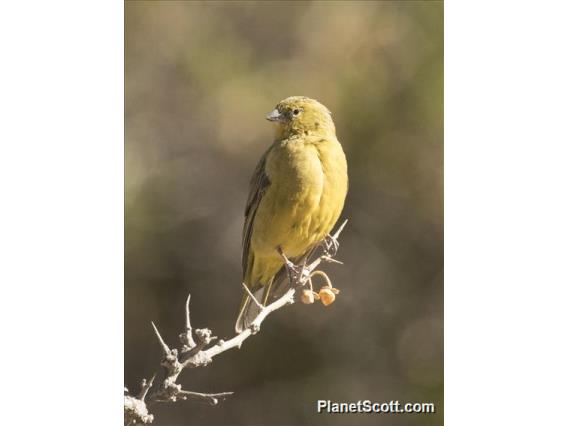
249,310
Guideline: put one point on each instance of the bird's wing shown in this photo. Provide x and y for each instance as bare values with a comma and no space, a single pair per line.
258,185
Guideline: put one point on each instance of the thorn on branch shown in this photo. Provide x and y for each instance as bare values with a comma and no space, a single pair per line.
187,320
145,387
165,349
252,296
331,260
208,398
187,337
340,229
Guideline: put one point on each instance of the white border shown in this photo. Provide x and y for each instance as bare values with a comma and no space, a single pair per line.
61,238
506,211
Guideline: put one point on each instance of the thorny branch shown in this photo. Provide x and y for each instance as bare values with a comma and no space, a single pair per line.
198,348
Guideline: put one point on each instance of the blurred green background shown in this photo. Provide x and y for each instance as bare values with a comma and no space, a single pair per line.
200,78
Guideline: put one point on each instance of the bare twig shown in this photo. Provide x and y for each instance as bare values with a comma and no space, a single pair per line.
197,349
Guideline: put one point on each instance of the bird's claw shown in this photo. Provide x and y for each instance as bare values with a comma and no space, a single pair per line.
295,272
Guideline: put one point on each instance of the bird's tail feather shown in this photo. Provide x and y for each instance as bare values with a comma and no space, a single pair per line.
249,310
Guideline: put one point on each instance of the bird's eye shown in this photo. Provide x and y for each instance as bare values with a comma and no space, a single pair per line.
296,112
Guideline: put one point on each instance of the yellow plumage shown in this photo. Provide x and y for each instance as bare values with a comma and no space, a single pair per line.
296,196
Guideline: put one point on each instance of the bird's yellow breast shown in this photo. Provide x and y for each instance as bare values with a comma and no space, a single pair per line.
308,185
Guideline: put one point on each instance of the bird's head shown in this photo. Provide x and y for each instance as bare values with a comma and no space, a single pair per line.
299,115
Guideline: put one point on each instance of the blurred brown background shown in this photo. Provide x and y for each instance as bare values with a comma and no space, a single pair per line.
199,79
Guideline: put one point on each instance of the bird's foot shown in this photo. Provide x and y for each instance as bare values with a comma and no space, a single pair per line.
295,272
330,245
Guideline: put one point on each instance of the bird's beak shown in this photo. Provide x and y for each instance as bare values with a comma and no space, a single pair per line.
275,116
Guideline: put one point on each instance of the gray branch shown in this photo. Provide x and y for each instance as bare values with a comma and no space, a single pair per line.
198,348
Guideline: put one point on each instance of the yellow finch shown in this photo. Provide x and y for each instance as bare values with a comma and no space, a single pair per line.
296,196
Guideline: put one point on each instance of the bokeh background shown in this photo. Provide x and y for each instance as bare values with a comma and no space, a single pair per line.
200,78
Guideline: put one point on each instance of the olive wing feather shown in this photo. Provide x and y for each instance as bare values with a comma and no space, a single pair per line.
258,184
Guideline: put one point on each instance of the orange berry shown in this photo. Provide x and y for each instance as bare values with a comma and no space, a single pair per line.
327,295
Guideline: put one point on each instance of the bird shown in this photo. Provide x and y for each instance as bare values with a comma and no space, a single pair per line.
296,195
